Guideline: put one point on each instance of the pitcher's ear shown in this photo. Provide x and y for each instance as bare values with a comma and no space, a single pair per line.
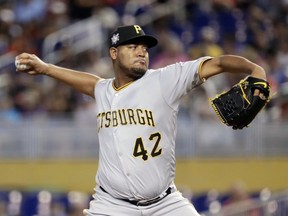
113,52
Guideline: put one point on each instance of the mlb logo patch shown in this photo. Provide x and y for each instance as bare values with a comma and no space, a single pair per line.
115,38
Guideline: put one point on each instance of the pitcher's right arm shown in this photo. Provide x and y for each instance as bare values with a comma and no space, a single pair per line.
80,81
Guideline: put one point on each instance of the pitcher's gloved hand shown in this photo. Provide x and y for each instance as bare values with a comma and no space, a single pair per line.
240,105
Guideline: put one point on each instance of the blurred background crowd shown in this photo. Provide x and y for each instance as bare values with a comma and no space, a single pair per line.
74,33
186,29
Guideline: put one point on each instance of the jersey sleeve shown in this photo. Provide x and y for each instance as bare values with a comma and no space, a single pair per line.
100,84
180,78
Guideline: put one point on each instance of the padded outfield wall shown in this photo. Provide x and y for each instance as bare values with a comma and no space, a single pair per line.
199,175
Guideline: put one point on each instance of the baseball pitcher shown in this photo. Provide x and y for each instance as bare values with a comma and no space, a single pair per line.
136,121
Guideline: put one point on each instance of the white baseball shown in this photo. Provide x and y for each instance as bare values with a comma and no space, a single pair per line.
21,66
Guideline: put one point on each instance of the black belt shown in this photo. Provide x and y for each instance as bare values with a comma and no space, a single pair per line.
145,202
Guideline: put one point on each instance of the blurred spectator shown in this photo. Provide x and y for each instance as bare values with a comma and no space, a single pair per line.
76,210
58,209
282,59
78,201
172,50
8,112
283,101
240,199
3,208
62,103
207,45
27,11
211,28
82,9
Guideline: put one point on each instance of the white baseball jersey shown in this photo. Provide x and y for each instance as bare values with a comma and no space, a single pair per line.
137,127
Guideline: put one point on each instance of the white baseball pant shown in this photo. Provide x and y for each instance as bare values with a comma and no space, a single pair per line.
174,204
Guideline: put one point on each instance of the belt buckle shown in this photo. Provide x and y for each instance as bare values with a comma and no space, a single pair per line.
147,202
155,200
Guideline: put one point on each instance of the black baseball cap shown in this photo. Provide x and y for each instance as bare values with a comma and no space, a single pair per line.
131,34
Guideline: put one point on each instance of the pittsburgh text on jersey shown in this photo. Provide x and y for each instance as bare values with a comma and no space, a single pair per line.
118,117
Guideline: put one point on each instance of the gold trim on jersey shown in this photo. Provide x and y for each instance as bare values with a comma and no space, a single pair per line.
121,87
200,69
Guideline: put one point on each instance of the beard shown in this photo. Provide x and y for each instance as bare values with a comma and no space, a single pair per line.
137,73
133,72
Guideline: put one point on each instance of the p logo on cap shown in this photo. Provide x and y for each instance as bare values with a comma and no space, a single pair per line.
137,28
131,34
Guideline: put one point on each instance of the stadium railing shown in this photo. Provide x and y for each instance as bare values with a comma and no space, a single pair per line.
31,139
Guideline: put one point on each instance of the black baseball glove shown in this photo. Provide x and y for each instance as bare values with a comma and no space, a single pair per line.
239,106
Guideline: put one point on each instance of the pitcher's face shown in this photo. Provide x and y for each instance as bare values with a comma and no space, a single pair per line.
132,59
